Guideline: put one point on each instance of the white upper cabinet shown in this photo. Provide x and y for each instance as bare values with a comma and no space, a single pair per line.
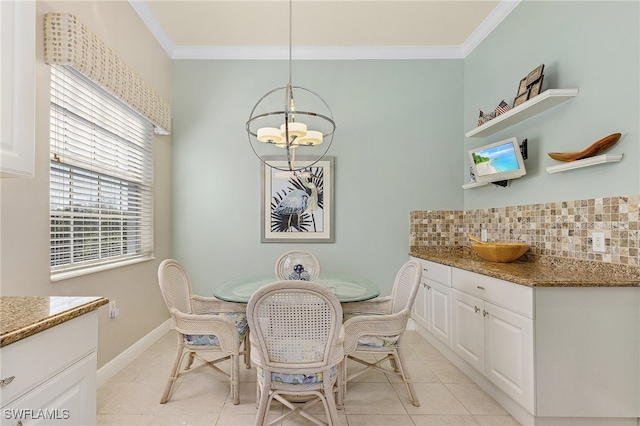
17,88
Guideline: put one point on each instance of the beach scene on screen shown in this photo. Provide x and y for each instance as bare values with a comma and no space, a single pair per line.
501,158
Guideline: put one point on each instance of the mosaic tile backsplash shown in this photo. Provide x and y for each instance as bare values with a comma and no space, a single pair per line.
560,229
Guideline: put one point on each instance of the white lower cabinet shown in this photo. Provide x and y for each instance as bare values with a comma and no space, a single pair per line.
66,399
420,313
468,329
492,336
439,312
509,353
50,377
432,308
487,322
550,356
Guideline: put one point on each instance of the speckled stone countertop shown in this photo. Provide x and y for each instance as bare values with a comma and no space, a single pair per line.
535,271
24,316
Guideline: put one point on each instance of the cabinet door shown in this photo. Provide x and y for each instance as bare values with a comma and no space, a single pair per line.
420,305
17,88
468,328
439,312
67,398
509,353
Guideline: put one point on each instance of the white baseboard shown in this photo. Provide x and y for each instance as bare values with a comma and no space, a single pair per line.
411,324
114,366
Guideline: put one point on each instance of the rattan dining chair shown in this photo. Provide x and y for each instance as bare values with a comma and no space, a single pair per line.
376,327
297,347
297,265
203,324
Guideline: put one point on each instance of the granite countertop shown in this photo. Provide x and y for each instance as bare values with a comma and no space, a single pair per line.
24,316
535,271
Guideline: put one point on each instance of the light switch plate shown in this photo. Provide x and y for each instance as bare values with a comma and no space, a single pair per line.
598,242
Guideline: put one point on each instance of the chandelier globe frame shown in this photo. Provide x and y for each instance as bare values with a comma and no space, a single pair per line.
283,124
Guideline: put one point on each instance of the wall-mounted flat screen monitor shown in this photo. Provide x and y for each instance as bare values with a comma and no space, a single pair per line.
498,161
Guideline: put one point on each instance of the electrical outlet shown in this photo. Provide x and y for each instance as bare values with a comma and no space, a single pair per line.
113,310
599,244
483,234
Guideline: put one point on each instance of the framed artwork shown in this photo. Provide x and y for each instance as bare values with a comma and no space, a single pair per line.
522,87
536,88
297,206
520,99
535,75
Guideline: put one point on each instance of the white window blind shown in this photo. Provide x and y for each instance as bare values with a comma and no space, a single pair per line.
101,185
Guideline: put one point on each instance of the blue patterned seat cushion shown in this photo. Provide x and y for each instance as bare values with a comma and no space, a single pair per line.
377,342
239,319
372,341
297,379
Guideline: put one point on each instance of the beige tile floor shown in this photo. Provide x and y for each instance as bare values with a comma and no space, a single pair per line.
447,396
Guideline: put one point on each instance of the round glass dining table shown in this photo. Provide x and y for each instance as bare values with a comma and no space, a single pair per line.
346,287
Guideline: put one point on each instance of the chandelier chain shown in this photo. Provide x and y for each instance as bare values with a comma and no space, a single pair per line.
290,37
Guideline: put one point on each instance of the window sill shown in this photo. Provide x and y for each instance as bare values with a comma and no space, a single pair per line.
64,275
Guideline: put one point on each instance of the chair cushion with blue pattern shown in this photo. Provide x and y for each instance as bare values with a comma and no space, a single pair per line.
377,342
238,318
297,379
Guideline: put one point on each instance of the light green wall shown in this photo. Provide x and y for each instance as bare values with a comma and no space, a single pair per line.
400,142
590,45
396,148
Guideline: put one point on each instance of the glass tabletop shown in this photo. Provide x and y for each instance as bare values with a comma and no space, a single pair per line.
346,287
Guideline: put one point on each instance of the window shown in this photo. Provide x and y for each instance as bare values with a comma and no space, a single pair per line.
101,185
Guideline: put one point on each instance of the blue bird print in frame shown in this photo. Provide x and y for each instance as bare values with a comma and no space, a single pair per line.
298,206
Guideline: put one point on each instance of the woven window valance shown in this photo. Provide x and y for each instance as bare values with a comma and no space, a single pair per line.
69,42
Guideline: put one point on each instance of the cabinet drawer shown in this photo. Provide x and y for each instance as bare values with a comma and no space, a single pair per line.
69,398
436,272
515,297
39,357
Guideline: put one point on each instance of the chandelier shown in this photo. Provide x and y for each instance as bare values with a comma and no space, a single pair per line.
290,120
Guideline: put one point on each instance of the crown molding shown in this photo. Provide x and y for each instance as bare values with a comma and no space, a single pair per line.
153,25
497,15
317,52
501,11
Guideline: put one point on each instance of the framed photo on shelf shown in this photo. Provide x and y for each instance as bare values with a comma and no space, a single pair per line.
522,87
535,75
297,206
521,99
536,88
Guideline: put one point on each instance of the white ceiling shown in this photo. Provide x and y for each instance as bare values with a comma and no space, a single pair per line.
321,29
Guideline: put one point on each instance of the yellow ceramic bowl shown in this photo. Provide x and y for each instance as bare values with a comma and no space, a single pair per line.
500,252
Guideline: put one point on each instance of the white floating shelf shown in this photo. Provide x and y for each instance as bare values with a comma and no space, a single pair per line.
544,101
585,162
474,185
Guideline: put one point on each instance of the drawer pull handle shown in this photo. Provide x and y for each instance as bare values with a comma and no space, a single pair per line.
5,382
484,313
476,309
480,287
